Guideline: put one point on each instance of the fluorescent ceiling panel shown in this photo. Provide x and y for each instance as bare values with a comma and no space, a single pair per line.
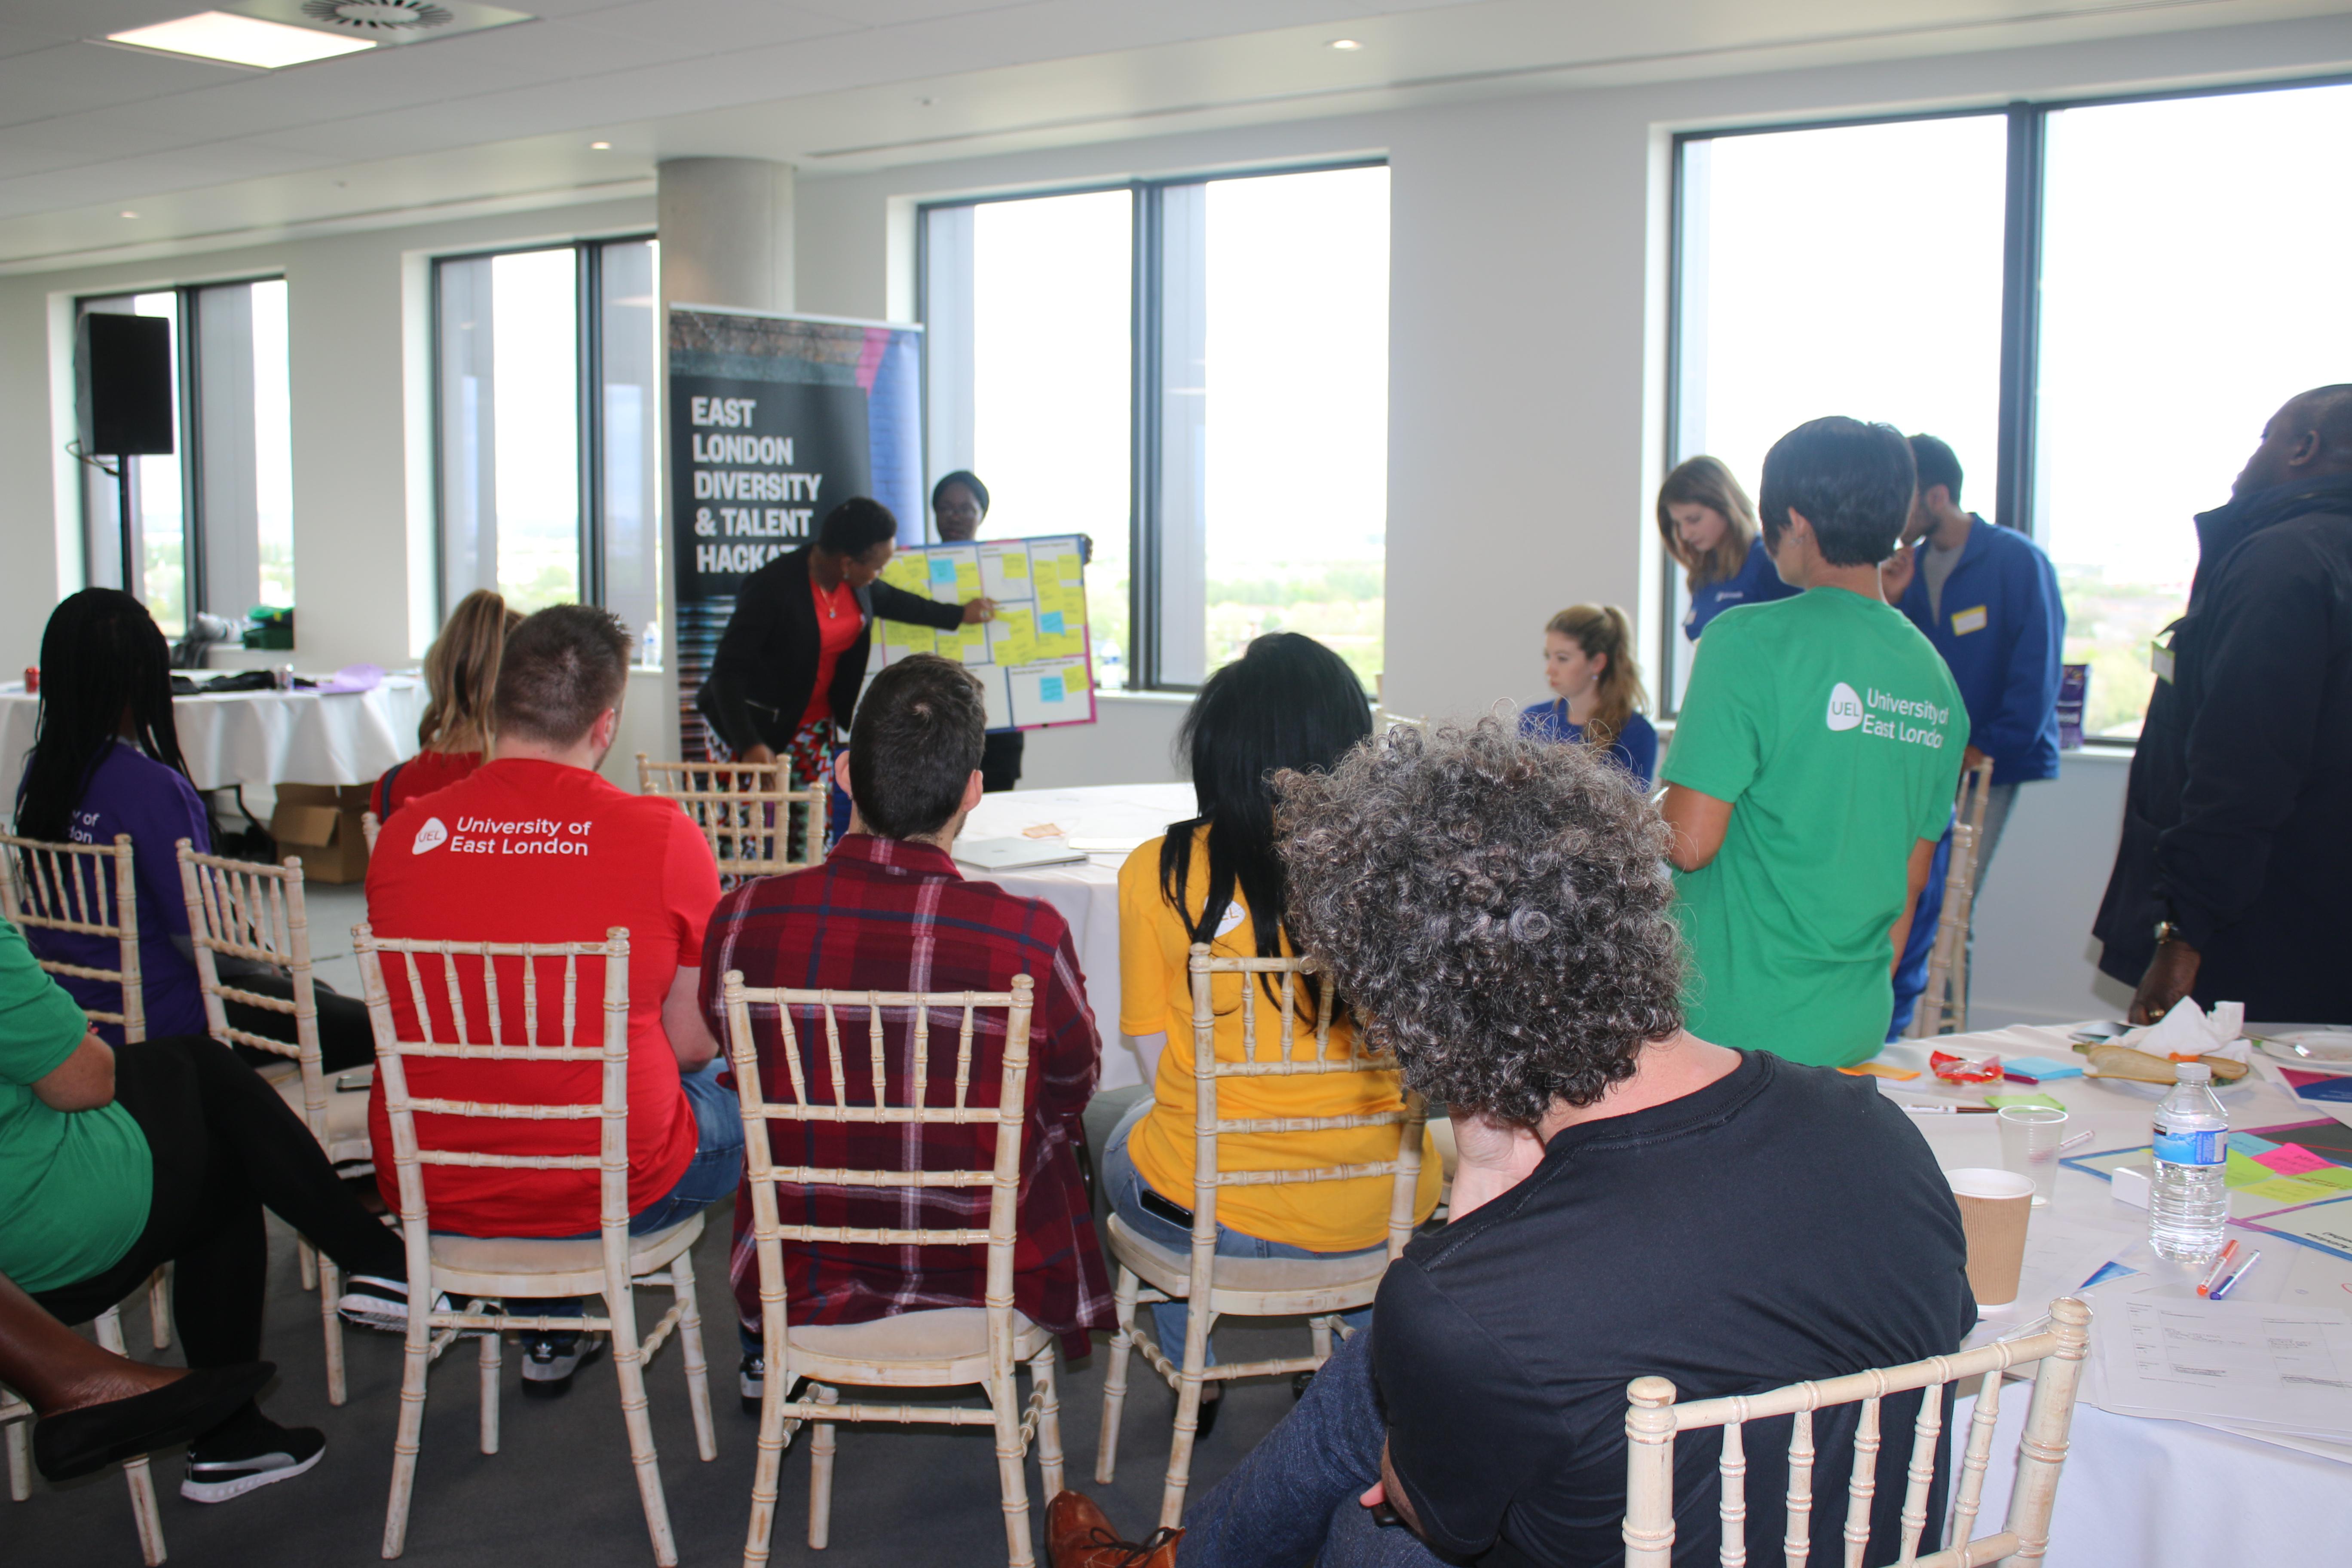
239,40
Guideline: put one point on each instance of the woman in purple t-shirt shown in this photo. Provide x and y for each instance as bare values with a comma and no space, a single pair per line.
106,760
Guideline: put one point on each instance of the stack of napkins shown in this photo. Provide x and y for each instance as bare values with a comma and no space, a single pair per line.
2187,1032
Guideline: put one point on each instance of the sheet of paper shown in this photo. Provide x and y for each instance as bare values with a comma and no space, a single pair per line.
904,640
2325,1225
1005,571
1052,691
1013,637
2263,1365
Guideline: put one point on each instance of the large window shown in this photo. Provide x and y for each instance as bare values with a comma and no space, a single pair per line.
1194,373
211,524
546,366
2065,292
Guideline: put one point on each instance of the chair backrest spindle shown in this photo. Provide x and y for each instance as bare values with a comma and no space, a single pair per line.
64,887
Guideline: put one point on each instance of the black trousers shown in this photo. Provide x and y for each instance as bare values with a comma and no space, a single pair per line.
1000,759
345,1041
224,1147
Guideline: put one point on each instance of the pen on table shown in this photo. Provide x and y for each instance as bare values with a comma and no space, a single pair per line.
1917,1109
2221,1261
2243,1269
2082,1137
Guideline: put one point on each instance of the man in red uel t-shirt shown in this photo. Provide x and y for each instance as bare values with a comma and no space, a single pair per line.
536,846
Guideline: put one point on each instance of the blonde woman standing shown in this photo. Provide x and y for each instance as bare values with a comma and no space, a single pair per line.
1709,528
1597,689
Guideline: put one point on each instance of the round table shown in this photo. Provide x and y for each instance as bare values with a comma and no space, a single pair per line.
267,737
1086,893
2138,1492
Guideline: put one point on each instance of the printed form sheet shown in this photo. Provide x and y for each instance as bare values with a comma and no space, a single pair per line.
1033,660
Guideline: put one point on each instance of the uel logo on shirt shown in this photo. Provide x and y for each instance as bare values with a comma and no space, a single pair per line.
1845,708
432,836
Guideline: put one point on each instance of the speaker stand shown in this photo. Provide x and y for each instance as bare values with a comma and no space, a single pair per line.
125,480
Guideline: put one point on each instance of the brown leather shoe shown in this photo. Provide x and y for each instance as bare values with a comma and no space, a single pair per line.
1079,1535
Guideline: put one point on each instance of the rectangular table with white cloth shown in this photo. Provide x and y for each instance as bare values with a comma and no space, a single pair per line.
2192,1490
1106,821
233,738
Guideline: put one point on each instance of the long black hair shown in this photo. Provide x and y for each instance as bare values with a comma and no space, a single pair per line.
102,657
1287,702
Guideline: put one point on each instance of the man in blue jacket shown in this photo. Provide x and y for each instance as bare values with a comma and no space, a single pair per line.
1988,600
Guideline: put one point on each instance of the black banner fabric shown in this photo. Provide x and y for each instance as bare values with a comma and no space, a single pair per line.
755,465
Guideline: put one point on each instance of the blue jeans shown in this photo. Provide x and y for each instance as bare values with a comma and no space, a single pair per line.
1292,1500
1127,1186
716,1170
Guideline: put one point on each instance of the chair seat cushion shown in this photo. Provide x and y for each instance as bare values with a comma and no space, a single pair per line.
569,1255
1171,1271
943,1333
347,1129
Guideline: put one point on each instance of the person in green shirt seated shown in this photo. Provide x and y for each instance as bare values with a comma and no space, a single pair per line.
116,1159
1813,767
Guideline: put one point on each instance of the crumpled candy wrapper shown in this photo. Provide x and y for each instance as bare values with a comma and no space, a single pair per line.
2187,1032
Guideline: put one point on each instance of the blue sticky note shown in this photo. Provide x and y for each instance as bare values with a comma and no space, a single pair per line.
2038,1069
942,569
2249,1145
1049,623
1049,686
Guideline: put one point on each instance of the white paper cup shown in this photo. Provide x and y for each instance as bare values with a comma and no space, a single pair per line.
1994,1208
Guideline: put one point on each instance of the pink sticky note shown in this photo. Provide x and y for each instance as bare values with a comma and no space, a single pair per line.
2291,1160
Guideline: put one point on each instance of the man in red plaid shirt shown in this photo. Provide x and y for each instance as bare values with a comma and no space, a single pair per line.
889,911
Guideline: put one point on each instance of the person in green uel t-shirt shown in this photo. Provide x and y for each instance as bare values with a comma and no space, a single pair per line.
74,1185
1813,766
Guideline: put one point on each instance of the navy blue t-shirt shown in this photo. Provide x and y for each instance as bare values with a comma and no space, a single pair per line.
1635,749
1757,582
130,792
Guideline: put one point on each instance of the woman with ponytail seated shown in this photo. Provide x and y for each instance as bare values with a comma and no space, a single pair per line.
460,670
1288,702
107,762
1589,664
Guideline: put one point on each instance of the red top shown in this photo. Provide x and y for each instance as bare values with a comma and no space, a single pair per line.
838,622
887,914
534,851
420,774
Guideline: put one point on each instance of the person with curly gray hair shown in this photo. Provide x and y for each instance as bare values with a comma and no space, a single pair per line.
1630,1199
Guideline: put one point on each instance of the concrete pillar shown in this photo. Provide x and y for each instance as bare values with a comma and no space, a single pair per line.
726,229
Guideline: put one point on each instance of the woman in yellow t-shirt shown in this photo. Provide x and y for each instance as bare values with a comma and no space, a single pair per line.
1287,702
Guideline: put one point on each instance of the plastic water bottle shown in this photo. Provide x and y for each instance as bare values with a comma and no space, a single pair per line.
2189,1204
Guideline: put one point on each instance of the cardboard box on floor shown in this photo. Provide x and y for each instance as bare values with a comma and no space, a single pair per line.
320,823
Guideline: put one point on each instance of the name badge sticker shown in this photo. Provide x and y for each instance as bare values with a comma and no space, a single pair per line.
2159,659
1966,621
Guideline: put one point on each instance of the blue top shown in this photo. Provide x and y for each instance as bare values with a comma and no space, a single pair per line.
130,792
1635,749
1757,582
2001,631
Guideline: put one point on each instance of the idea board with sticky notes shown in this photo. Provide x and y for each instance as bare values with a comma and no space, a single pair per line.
1033,660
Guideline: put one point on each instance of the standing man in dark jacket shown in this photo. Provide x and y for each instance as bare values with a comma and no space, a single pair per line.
2231,883
793,657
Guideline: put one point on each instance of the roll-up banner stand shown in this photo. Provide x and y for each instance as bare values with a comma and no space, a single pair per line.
773,420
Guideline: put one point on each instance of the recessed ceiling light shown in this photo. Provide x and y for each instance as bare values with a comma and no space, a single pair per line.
127,212
239,40
1346,44
599,146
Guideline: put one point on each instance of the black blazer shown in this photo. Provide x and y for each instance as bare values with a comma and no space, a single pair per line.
765,669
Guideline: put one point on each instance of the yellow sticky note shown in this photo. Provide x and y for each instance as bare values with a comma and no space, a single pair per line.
905,572
2291,1189
905,639
1072,570
1015,637
967,579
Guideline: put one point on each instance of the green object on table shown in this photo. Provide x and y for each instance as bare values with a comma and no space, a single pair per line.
270,627
1998,1100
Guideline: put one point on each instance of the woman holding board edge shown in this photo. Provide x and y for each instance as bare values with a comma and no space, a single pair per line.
792,657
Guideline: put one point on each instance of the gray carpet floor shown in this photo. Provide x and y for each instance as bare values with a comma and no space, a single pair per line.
560,1493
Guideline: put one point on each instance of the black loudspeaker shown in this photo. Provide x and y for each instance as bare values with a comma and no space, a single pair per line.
123,385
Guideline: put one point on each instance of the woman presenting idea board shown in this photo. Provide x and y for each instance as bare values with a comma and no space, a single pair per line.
790,663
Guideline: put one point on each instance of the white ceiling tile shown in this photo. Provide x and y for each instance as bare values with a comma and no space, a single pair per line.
554,50
712,27
70,76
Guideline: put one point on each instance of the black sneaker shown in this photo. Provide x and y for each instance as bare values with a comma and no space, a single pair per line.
222,1468
752,1381
372,1302
549,1360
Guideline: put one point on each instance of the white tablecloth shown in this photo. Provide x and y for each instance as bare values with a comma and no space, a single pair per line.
2138,1492
267,737
1085,894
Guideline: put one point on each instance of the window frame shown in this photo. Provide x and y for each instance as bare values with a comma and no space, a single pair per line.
187,439
588,367
1145,318
2025,217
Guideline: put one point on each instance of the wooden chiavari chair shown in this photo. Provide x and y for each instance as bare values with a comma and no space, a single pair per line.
1229,1286
1943,1006
750,811
17,1417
